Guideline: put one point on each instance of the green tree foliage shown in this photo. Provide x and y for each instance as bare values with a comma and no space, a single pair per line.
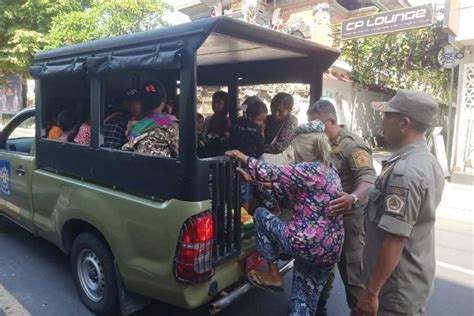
29,26
23,28
106,18
407,59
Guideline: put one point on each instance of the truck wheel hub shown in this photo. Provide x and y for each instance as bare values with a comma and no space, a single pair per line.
91,275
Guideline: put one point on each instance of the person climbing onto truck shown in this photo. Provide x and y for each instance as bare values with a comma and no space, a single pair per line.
313,236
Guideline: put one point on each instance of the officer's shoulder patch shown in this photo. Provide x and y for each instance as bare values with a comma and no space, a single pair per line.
396,201
361,158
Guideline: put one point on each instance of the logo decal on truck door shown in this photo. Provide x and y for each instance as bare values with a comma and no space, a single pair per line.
5,174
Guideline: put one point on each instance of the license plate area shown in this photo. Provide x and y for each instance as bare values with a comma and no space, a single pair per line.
254,262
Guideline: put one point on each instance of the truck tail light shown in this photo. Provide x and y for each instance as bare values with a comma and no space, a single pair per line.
194,256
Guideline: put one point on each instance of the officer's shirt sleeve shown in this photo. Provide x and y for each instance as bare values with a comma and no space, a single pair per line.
402,201
361,163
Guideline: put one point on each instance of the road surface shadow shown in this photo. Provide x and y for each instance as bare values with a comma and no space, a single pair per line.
37,275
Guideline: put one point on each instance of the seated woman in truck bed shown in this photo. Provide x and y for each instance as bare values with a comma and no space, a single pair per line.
83,128
115,124
67,119
217,127
157,133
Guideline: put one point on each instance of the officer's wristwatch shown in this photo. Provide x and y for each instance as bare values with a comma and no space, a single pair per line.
356,202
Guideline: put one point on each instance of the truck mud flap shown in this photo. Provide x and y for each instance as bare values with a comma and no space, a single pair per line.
129,302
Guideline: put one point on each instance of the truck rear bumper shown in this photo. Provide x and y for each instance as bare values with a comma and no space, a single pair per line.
229,298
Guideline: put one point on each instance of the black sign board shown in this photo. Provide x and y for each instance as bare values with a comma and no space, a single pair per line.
386,22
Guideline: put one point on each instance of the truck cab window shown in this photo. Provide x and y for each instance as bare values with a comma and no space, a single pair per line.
22,137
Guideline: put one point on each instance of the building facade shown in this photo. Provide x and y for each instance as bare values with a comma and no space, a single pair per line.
460,24
311,20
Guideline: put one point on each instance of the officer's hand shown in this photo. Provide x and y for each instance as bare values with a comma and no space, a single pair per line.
342,205
368,304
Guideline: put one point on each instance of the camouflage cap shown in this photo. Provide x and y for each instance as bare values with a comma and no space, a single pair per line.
416,105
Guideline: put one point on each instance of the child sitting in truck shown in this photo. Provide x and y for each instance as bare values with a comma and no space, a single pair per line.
54,132
67,120
247,137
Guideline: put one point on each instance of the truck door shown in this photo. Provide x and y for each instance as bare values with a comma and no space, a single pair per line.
17,163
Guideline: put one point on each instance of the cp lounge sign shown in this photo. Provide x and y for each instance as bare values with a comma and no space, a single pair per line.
386,22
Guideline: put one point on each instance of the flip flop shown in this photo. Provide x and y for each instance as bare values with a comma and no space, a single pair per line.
267,288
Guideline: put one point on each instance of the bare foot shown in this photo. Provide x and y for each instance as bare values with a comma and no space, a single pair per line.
265,278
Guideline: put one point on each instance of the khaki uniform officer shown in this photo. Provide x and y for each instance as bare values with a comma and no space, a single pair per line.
399,259
353,160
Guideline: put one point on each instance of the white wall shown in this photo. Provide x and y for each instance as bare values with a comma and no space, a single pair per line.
353,106
466,22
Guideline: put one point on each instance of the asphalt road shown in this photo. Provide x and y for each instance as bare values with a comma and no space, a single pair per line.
35,277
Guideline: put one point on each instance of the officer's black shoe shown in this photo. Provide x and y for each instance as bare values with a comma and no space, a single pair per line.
322,310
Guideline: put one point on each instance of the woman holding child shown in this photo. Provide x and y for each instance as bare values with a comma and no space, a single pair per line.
280,129
280,125
313,236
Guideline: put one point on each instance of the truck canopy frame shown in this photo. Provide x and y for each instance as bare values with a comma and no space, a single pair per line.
213,51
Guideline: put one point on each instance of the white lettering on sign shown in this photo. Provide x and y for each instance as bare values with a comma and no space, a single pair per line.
387,22
398,17
420,13
410,15
354,25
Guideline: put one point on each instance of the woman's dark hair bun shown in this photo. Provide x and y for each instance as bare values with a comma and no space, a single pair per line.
153,95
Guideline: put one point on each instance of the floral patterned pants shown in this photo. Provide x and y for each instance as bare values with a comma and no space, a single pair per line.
308,279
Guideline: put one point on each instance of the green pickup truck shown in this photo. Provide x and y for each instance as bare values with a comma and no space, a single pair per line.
139,227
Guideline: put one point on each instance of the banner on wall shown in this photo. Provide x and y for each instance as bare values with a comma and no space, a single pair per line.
10,94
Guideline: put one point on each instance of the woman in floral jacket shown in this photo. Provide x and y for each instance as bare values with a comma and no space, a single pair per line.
313,236
157,133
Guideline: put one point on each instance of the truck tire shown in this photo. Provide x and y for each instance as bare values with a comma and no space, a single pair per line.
93,269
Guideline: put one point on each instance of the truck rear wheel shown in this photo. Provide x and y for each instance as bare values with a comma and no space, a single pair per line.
94,274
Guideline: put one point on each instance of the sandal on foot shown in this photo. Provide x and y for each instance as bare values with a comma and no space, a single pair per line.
267,288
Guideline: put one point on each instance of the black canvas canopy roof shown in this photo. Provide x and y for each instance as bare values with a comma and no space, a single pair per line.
220,40
220,51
